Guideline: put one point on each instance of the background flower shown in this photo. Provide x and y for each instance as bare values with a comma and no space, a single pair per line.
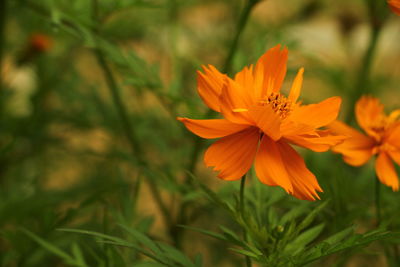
382,139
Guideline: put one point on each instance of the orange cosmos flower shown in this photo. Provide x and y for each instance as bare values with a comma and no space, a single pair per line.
40,42
259,123
395,6
382,139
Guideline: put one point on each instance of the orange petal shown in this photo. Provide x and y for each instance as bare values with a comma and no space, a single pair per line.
296,86
270,166
357,149
212,128
317,115
393,135
289,128
240,96
233,108
272,67
245,80
305,185
233,155
395,6
386,171
209,86
368,111
395,155
321,142
267,120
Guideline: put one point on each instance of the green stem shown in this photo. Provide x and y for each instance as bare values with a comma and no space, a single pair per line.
3,16
136,148
241,195
242,213
378,201
239,29
130,134
198,143
363,77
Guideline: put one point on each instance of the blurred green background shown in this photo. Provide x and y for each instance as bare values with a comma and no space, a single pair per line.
89,93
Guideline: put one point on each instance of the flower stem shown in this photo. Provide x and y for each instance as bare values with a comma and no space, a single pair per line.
130,134
378,201
239,29
242,213
241,195
363,77
198,143
3,15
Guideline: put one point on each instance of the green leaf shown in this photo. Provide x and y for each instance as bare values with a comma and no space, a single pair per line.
304,239
114,241
310,217
175,255
244,252
339,242
231,236
147,242
53,249
198,260
339,236
205,232
293,214
77,253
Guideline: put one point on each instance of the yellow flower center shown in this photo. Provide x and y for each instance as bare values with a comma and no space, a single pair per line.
279,103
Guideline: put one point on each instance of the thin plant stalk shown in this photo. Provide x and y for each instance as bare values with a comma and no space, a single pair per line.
376,22
130,134
363,80
378,201
244,18
198,143
242,213
3,15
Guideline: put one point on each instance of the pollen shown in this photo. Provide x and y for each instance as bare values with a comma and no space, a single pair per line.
279,103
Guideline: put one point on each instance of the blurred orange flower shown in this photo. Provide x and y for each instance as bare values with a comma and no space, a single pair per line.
259,123
40,42
395,6
382,139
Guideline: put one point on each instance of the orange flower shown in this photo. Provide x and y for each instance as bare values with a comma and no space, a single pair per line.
382,139
395,6
260,122
40,42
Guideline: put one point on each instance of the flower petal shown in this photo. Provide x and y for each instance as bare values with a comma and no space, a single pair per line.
393,135
395,6
289,128
296,86
270,166
317,115
305,185
233,155
267,120
395,155
209,86
272,68
357,149
233,108
212,128
368,111
321,142
386,171
245,80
